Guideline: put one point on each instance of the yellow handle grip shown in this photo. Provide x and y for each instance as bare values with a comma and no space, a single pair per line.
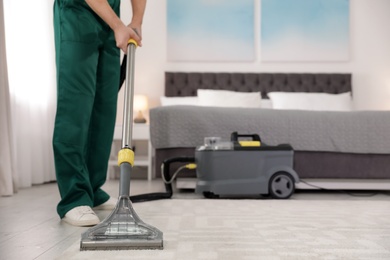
132,41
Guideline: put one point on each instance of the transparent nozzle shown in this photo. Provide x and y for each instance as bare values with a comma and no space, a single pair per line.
122,229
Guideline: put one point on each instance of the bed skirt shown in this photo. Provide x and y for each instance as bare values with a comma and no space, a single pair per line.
322,165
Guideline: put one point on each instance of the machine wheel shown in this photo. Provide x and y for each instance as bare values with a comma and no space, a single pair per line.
210,195
281,185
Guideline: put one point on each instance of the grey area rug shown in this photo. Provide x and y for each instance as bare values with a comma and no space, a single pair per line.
261,229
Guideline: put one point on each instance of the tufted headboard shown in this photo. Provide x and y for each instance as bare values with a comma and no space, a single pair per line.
187,83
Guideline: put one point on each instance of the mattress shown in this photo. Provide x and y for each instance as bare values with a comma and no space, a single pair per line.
363,132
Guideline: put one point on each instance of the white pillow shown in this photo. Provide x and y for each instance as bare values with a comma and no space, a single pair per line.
311,101
266,103
226,98
174,101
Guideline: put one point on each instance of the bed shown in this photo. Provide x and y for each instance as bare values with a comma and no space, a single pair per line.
328,144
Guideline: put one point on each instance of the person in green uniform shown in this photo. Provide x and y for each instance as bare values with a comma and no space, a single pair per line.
88,38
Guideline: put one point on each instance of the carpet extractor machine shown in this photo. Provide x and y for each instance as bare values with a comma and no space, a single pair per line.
241,167
245,167
123,229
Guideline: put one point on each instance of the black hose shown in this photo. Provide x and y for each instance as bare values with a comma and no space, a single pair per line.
168,186
166,163
122,76
150,197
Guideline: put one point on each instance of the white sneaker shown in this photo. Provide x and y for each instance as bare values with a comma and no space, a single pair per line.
108,205
81,216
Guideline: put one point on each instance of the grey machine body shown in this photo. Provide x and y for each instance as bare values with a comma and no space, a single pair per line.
227,168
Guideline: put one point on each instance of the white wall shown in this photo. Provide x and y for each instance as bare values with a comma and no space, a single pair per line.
369,58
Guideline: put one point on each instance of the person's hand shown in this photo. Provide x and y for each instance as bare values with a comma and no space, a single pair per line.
137,29
122,36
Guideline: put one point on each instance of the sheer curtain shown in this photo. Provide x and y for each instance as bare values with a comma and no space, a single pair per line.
31,76
8,177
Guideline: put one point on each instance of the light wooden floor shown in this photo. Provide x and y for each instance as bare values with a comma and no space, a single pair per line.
31,229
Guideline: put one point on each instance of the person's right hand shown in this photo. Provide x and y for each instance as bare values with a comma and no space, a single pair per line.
122,36
137,29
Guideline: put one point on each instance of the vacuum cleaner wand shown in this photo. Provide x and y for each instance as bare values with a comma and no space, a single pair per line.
123,229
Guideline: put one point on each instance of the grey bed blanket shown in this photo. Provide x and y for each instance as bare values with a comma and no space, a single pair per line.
347,132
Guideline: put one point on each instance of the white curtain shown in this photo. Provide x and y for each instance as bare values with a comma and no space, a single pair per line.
8,177
31,76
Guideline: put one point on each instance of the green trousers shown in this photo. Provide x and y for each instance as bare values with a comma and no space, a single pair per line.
88,68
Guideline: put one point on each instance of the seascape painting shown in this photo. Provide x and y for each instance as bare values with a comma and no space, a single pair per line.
304,30
210,30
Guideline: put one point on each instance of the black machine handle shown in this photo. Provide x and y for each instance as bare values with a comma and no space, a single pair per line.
235,136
